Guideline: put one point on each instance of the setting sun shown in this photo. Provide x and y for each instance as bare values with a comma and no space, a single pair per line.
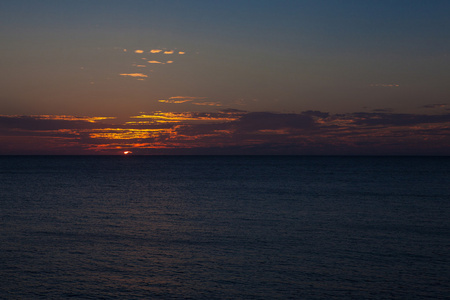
127,152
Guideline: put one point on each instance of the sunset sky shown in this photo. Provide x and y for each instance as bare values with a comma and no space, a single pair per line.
313,77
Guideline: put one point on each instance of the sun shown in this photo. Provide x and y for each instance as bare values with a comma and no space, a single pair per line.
127,152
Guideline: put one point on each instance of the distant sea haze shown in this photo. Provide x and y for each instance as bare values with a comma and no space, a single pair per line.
224,227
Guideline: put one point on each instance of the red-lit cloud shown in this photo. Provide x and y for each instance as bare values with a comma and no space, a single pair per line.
229,131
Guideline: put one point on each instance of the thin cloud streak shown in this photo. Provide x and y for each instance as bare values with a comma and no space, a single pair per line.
200,101
139,75
385,85
436,105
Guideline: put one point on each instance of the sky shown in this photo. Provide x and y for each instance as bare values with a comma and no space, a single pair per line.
288,77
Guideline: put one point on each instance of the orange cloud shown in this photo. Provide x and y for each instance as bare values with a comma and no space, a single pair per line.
154,62
155,51
187,97
174,101
138,51
65,117
138,75
124,134
176,117
168,52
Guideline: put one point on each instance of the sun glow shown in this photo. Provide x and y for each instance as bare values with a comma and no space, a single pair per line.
127,152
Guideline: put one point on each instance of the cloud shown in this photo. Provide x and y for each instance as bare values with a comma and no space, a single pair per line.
201,101
436,105
386,85
180,99
174,101
187,97
316,113
382,110
138,75
138,51
155,51
257,121
233,111
229,131
56,117
154,62
49,122
139,66
207,103
188,117
390,119
169,61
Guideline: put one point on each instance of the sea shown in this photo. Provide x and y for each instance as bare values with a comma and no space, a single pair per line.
224,227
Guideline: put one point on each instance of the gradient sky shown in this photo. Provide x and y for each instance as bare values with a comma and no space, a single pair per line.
225,77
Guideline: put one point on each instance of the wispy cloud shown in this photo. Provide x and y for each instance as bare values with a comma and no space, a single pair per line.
187,97
168,52
189,117
207,103
436,105
138,75
382,110
155,51
181,52
139,51
179,101
192,100
385,85
174,101
154,62
59,117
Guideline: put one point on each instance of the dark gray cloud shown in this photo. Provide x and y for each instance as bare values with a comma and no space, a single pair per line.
382,110
272,121
316,113
397,119
436,105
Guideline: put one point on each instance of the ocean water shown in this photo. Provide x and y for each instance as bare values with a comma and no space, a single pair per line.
224,227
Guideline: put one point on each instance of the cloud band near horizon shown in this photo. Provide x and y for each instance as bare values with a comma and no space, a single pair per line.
230,131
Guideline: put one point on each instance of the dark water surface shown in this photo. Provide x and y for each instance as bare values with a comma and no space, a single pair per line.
224,227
